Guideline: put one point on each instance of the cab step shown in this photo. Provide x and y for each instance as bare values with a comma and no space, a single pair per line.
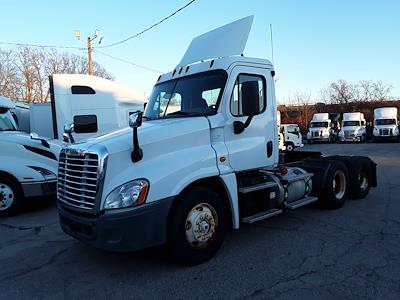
262,216
301,202
257,187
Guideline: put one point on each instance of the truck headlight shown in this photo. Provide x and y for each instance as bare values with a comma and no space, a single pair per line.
47,175
129,194
396,131
376,131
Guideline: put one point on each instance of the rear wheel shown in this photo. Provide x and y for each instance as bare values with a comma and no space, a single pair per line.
336,187
197,226
359,176
10,197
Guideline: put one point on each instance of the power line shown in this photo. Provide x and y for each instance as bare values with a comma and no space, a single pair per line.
128,62
41,46
148,28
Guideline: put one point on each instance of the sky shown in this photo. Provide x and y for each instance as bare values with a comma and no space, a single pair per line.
315,42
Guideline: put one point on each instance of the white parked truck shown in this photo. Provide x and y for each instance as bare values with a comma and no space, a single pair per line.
95,105
320,129
353,128
202,158
386,124
28,164
292,136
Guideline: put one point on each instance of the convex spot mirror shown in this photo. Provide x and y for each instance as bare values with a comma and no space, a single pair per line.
135,119
251,98
69,128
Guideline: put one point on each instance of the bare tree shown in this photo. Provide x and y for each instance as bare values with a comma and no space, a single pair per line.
340,92
8,74
24,72
381,91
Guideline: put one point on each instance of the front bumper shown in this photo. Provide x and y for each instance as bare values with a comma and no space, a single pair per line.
39,188
386,137
350,139
121,230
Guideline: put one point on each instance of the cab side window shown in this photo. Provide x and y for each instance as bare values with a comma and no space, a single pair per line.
292,129
236,98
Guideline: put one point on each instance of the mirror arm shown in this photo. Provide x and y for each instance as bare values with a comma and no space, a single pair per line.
239,126
137,153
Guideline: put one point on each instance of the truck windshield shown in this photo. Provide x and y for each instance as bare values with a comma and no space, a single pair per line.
385,122
196,95
7,122
319,124
351,123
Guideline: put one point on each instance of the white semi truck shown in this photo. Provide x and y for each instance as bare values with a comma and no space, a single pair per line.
28,164
201,159
95,105
353,128
321,129
386,124
292,136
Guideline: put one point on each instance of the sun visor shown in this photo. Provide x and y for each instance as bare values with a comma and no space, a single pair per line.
224,41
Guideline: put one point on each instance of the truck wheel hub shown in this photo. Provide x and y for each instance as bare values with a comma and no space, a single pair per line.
6,196
201,224
339,184
362,177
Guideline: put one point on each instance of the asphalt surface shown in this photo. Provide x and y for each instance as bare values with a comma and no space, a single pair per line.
309,253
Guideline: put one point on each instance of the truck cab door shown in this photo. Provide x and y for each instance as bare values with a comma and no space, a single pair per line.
257,145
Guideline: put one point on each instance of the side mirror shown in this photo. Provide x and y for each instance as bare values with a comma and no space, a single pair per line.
250,105
251,98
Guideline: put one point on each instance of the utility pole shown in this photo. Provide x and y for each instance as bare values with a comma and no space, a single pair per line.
89,47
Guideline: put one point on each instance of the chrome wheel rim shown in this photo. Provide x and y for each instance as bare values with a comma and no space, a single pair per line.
362,178
201,225
339,184
289,147
6,196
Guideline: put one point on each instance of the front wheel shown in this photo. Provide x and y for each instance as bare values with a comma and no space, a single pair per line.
10,197
289,147
197,226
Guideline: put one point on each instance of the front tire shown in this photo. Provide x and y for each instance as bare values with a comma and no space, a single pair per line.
10,197
289,147
197,227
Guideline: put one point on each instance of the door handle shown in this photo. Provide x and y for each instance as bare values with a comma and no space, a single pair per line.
269,149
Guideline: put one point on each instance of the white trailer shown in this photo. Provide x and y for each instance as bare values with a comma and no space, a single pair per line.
353,128
94,105
28,164
201,159
386,124
292,136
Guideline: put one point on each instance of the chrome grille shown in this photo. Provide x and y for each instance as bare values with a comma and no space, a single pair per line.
317,133
386,131
348,133
78,179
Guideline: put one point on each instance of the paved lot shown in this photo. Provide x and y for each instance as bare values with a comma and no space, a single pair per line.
308,253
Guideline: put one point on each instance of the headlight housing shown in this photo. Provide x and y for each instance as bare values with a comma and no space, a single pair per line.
129,194
376,130
47,175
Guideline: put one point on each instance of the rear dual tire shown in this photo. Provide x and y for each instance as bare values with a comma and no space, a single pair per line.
336,190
